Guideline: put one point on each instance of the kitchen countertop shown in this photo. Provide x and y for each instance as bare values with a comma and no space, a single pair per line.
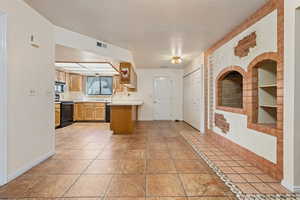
126,103
92,101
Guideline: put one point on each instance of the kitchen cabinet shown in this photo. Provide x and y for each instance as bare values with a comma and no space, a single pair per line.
78,112
91,111
118,87
128,75
99,112
60,76
75,83
123,118
57,115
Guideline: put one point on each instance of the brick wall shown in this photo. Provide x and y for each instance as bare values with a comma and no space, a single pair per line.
232,90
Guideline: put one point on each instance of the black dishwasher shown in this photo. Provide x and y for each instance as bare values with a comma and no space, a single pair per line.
107,113
67,109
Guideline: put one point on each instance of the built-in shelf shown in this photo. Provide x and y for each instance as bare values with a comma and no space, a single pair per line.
268,106
267,93
271,125
268,85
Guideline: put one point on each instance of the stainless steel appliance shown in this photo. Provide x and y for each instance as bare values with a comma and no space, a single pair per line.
59,87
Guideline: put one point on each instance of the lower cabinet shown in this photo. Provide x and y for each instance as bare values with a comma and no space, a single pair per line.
89,112
57,115
100,112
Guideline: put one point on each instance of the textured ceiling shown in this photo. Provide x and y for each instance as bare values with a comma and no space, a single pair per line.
153,30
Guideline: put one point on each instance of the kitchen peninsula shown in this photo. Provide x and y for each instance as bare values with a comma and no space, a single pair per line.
124,115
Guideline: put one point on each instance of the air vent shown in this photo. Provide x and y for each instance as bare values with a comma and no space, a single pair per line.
101,45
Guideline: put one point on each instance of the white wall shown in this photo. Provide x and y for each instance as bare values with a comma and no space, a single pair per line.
145,91
262,144
291,97
78,41
193,93
3,100
30,118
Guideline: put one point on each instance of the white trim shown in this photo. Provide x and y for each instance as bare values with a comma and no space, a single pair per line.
287,185
3,100
297,189
29,166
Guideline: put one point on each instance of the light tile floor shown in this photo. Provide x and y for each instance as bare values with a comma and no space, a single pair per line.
158,162
245,180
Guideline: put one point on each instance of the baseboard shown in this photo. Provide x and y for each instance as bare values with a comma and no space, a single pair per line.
297,189
292,188
256,160
29,166
287,185
191,126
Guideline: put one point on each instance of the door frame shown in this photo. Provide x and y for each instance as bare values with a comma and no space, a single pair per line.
3,98
172,87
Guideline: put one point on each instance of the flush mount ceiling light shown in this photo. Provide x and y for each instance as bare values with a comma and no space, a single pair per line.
176,60
99,68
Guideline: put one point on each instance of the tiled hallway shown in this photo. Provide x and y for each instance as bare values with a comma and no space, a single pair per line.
155,163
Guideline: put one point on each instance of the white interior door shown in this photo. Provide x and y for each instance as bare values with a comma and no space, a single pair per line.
162,98
192,101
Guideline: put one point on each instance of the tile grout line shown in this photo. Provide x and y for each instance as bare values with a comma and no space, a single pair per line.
239,194
177,172
105,195
82,173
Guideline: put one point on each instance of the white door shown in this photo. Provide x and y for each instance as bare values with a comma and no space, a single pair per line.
162,98
192,99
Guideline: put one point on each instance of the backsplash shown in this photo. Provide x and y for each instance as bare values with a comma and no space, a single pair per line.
125,95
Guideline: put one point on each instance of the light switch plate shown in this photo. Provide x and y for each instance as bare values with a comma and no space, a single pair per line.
33,41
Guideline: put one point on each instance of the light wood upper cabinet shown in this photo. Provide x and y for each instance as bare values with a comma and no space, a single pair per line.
118,87
75,83
60,76
89,112
128,75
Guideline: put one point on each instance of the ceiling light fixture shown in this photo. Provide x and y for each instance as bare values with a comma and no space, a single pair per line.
176,60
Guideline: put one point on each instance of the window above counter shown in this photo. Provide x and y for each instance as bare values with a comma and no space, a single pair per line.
99,85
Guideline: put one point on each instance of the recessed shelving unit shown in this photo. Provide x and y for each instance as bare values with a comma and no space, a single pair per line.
267,93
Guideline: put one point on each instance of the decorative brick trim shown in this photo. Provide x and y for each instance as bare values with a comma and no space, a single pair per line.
222,123
197,142
243,47
252,92
219,78
269,7
256,160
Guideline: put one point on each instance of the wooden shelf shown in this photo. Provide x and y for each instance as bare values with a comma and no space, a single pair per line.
268,85
268,106
271,125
